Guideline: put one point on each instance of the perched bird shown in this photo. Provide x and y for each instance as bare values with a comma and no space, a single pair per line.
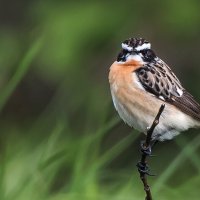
140,82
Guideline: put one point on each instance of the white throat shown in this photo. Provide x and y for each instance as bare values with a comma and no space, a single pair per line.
134,57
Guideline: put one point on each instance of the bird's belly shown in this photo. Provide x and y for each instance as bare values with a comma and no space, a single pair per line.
132,113
140,114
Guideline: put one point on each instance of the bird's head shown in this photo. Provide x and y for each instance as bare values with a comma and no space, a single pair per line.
137,49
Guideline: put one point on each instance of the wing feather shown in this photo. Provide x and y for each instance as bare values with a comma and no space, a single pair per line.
158,79
188,105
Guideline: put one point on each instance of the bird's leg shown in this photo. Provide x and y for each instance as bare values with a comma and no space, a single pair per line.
146,151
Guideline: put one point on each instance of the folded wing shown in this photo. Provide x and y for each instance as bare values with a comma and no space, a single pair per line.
158,79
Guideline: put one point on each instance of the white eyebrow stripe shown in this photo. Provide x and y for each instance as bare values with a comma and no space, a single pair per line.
144,46
126,47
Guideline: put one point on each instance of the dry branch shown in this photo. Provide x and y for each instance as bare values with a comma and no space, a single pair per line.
143,168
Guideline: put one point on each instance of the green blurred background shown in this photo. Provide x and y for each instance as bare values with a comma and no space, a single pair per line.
60,135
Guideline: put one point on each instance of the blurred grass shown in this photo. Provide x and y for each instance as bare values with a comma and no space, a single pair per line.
20,72
60,136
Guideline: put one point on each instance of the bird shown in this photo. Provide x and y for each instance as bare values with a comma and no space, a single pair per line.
140,82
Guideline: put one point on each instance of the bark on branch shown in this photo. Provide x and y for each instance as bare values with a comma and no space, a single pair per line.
146,151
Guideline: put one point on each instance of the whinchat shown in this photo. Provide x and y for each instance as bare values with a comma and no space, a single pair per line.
140,82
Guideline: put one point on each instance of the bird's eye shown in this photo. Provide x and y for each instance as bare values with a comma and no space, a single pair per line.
148,54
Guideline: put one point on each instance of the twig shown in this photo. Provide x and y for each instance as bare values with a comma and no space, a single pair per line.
146,151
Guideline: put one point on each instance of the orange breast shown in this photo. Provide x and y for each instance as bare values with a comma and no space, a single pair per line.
123,85
120,73
138,104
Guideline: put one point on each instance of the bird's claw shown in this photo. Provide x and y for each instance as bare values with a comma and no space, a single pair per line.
144,169
145,149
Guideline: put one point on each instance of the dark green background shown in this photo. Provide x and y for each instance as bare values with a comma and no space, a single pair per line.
60,135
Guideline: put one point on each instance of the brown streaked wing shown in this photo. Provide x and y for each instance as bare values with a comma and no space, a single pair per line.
187,104
159,80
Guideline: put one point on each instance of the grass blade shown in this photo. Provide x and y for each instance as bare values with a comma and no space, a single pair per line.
21,71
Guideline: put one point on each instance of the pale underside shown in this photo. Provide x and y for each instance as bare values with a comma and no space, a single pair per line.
138,108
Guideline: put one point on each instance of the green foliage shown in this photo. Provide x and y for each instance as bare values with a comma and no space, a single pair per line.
60,136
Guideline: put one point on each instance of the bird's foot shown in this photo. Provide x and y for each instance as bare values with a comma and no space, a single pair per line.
146,150
143,168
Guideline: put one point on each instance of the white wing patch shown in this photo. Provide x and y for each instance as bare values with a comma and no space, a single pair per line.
179,91
161,97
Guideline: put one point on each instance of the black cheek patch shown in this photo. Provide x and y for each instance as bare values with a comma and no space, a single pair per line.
148,55
121,57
